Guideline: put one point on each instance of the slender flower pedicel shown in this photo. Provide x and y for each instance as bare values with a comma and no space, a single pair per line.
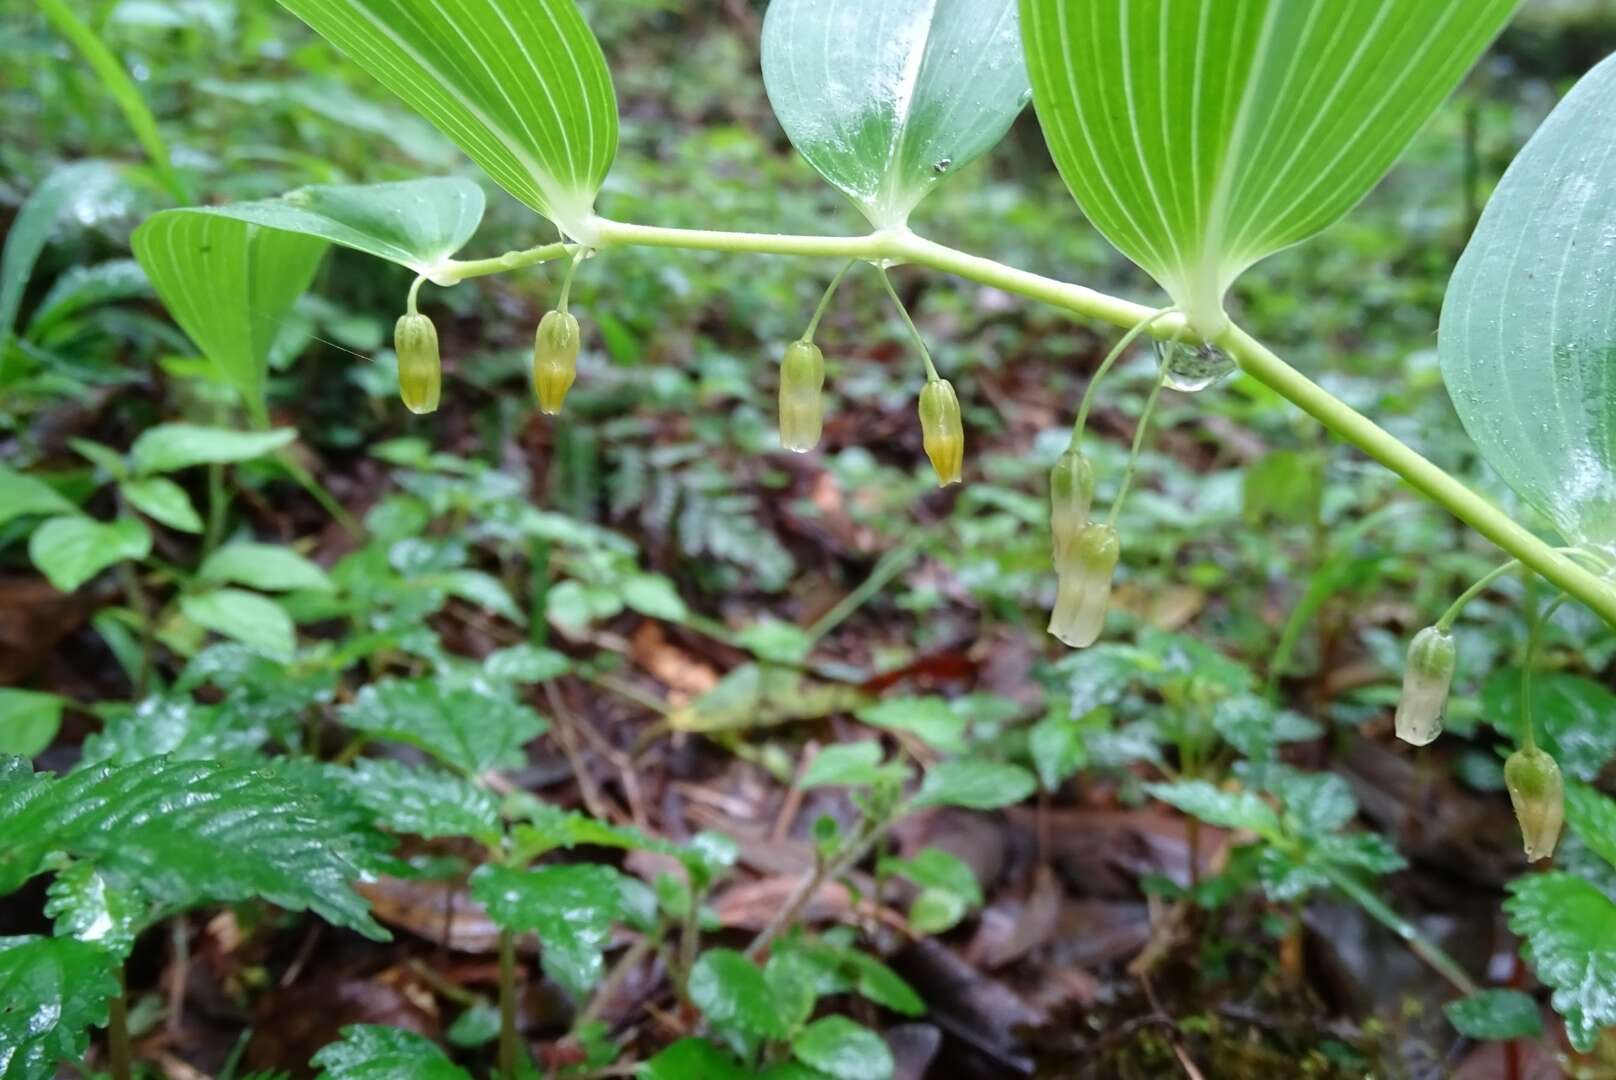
1537,791
802,409
944,430
1071,496
420,371
555,360
1084,595
1426,681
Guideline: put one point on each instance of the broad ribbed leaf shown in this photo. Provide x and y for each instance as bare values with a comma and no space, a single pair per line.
86,907
520,85
422,802
52,991
171,447
384,1053
229,284
885,99
469,729
71,550
1202,135
571,908
1528,335
416,223
186,832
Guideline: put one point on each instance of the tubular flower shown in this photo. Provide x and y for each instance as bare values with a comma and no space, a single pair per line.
1538,792
802,409
1426,680
555,360
1084,595
944,431
1071,495
420,372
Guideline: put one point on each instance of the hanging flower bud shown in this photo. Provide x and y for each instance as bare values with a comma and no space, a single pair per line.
1426,680
420,372
802,384
944,431
1071,494
555,360
1538,792
1084,595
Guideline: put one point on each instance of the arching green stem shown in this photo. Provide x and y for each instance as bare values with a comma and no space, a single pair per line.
1534,637
1445,623
566,282
1116,353
1138,446
415,295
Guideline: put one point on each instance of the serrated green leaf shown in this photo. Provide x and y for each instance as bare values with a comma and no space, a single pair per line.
171,447
186,832
54,990
1496,1014
692,1059
655,597
24,496
1314,802
419,224
840,1048
249,618
177,725
526,664
571,908
29,721
731,991
1570,713
1592,816
367,1052
71,550
927,718
229,285
163,501
1213,805
422,802
1526,341
84,906
1059,747
269,567
469,729
1202,135
855,764
887,99
949,889
1570,932
975,785
520,85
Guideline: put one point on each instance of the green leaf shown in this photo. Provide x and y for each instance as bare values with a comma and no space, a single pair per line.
887,99
419,224
526,664
1570,932
1201,136
1526,342
1213,805
520,85
976,785
776,641
269,567
31,230
470,729
855,764
477,1026
655,597
1314,802
949,889
838,1047
54,990
80,288
1059,747
692,1059
479,589
163,501
249,618
86,907
1496,1014
571,908
29,721
383,1053
187,832
731,991
23,496
71,550
229,285
422,802
171,447
1570,713
1592,816
927,718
